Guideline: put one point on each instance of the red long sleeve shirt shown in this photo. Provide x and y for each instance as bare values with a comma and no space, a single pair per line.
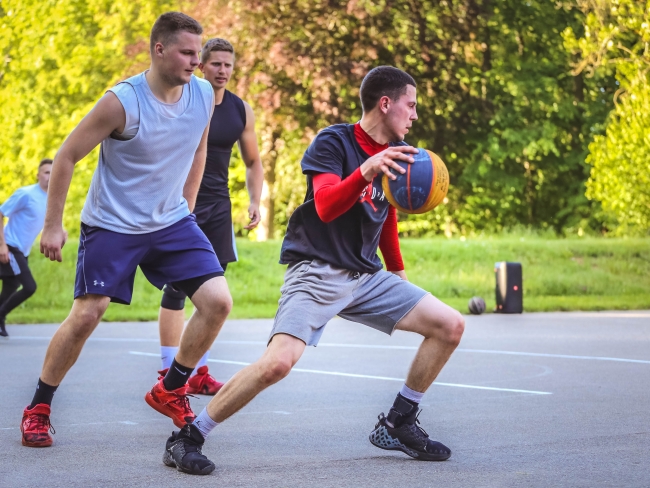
333,197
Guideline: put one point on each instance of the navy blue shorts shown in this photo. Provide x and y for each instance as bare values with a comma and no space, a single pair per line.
107,260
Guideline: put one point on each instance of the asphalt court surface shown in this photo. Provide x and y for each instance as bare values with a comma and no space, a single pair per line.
558,399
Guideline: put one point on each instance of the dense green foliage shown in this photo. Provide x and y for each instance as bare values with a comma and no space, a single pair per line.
559,274
616,40
511,95
496,98
58,59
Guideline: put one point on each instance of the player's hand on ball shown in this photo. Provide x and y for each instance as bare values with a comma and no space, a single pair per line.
383,162
254,215
52,241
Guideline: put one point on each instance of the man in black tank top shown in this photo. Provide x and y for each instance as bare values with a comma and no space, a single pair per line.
232,122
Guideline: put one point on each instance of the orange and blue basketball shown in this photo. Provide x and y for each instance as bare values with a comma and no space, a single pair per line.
422,188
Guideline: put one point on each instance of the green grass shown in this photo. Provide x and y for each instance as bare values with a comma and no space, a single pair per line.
559,274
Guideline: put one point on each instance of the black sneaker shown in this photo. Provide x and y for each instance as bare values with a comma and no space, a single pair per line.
407,437
3,331
183,452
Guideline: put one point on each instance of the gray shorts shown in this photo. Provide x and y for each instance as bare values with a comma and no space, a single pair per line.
314,292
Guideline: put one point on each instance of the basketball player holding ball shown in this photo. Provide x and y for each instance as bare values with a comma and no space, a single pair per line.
333,269
232,122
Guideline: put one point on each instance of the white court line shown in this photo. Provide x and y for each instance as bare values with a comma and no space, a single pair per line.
374,346
352,375
561,356
612,315
90,339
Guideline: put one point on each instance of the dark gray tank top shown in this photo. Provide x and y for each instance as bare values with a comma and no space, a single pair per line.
226,127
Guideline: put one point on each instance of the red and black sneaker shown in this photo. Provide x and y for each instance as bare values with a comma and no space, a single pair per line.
174,404
203,383
36,427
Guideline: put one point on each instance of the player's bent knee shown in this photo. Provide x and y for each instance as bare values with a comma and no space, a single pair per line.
29,289
89,309
223,304
454,328
88,317
82,322
276,369
172,299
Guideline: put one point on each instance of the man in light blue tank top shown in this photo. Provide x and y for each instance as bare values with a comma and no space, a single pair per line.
137,213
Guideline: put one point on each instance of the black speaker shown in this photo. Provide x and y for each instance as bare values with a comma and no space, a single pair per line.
510,287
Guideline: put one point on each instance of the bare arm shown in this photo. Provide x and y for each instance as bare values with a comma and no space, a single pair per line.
194,177
254,172
4,250
105,117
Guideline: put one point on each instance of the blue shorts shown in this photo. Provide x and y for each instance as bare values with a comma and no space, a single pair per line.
107,260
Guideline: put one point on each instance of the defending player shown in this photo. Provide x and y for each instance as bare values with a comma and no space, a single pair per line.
26,212
331,249
153,131
232,121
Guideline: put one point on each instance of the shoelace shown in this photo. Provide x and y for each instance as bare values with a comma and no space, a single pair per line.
183,402
41,422
417,425
191,446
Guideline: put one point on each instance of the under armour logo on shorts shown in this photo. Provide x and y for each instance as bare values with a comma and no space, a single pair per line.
100,283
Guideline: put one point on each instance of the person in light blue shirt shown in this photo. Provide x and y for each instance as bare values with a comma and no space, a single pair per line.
26,212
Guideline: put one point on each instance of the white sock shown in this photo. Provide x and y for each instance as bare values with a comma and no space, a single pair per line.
202,362
167,355
204,423
414,396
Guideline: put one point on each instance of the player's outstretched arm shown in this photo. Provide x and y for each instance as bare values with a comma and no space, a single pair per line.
105,117
254,171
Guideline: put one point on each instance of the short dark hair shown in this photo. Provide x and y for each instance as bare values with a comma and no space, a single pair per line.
44,162
216,44
169,24
383,81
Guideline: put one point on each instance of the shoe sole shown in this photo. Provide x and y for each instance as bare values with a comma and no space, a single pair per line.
169,461
396,445
204,391
47,443
161,409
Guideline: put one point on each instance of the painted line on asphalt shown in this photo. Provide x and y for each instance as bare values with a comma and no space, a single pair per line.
375,346
559,356
365,376
508,353
90,339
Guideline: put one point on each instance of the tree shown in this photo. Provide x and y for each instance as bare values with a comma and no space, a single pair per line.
616,40
58,59
496,97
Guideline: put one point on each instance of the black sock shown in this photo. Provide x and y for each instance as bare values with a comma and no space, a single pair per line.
44,394
177,376
402,411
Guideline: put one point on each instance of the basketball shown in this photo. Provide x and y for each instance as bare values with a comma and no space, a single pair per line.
422,188
476,305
